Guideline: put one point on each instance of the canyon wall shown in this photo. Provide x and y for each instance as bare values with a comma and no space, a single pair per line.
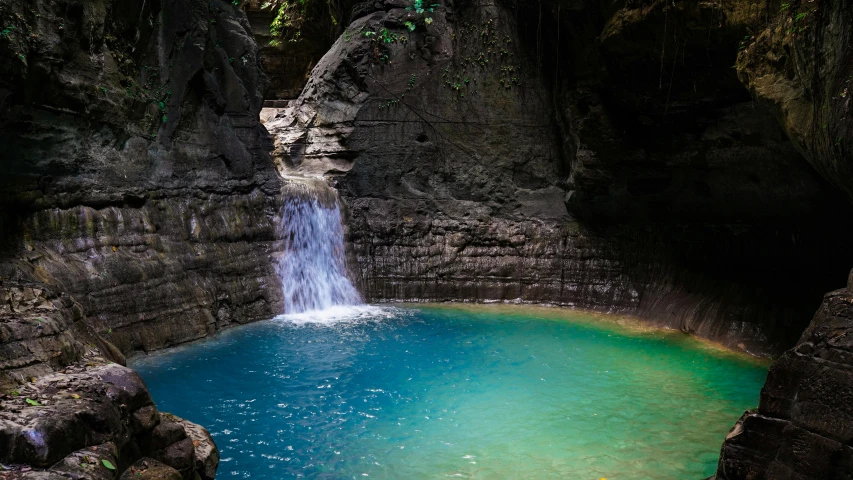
288,63
137,211
685,162
602,156
800,64
136,177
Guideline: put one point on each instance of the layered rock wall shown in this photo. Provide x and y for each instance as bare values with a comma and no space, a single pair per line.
803,425
135,177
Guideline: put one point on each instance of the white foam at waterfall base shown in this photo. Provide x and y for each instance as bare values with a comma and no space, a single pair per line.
313,269
342,314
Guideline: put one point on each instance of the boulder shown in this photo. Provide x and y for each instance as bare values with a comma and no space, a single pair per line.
206,453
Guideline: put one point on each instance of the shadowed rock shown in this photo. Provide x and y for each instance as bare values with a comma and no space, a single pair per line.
803,425
150,469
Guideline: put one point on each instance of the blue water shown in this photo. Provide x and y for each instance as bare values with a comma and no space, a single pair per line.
468,392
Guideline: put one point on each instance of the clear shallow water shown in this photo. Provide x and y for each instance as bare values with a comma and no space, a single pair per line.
437,392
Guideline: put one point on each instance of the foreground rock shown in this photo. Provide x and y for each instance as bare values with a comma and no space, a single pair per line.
94,420
67,411
803,425
206,455
150,469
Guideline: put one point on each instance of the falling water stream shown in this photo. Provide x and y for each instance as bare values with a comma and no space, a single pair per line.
313,268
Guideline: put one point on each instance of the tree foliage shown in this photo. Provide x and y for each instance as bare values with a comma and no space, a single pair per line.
294,17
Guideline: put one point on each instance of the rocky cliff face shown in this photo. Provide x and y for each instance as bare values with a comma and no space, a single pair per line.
603,156
799,65
803,425
597,154
137,210
135,177
287,64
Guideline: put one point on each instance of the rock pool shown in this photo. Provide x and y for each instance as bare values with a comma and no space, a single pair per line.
456,391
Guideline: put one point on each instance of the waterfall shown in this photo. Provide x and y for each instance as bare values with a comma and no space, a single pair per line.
313,269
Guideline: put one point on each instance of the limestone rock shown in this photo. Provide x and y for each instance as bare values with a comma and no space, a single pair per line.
68,423
804,422
150,469
36,332
206,453
63,413
134,173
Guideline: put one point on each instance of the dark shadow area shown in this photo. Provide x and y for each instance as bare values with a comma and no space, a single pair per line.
692,185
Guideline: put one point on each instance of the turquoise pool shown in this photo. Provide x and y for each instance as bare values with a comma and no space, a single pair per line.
457,392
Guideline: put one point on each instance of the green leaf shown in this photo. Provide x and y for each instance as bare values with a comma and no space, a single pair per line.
108,464
33,402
